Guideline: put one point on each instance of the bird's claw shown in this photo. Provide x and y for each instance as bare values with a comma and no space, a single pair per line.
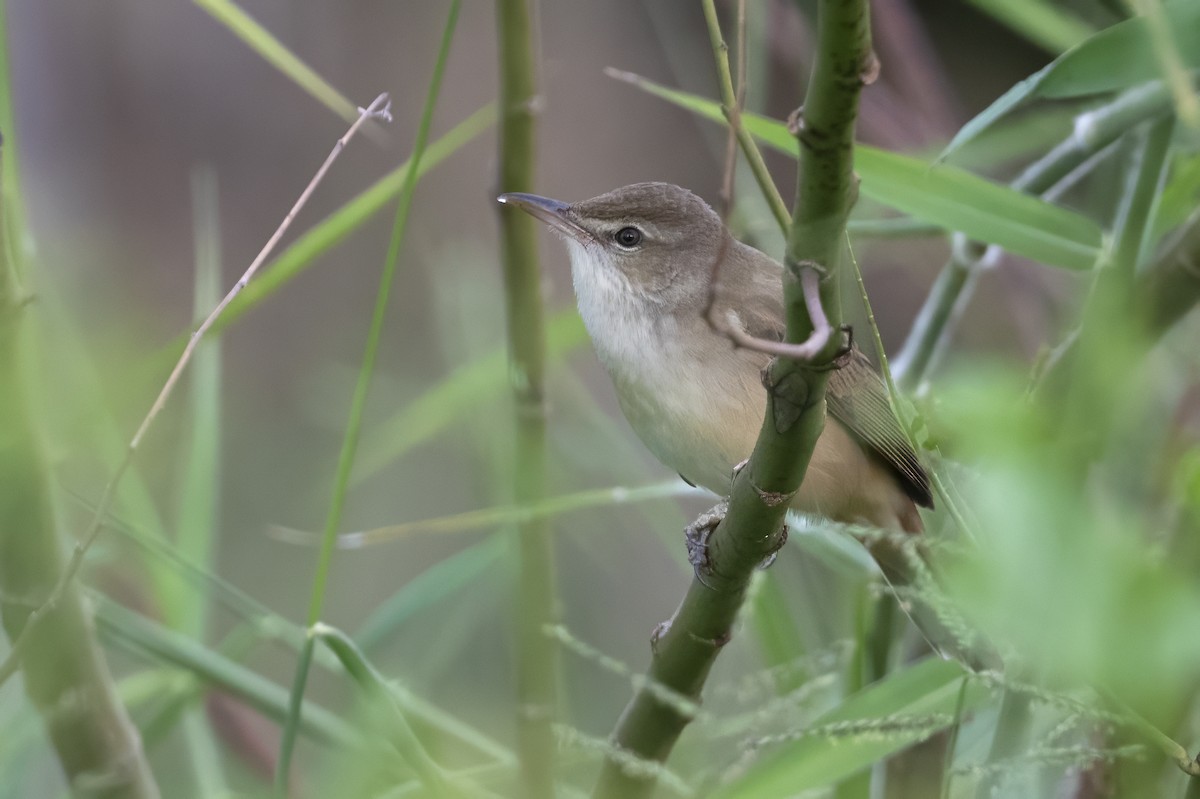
696,536
737,469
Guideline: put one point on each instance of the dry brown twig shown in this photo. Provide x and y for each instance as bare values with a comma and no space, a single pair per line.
379,109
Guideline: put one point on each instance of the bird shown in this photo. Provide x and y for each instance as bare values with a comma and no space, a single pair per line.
641,265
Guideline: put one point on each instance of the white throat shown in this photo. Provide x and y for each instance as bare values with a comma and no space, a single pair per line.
621,329
670,397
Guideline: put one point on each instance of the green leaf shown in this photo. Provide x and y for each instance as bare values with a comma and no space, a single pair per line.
379,698
1179,197
261,41
146,637
1040,22
448,577
1089,68
944,195
981,209
894,713
347,219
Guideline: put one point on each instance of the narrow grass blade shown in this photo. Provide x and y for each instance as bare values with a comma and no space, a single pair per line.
944,195
1173,63
149,639
486,518
1040,22
358,402
379,696
980,209
469,386
1088,68
1180,196
261,41
264,624
870,725
446,578
778,634
349,218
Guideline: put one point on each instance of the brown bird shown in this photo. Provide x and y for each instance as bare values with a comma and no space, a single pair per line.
641,261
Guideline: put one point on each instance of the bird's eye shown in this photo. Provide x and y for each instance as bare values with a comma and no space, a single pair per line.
628,237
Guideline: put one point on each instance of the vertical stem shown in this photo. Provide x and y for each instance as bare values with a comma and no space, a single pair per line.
341,480
65,674
537,669
200,499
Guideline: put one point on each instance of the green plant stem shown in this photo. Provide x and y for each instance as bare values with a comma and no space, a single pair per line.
148,638
339,225
65,674
1009,739
685,648
731,107
537,601
379,697
261,41
200,474
1170,288
952,744
1093,131
1157,738
358,403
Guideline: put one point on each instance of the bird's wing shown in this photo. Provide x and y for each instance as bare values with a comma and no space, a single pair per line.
855,395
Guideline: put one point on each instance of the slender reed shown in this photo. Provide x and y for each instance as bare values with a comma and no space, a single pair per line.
536,607
354,423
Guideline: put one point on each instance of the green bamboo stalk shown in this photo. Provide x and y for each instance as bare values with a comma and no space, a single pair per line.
358,403
537,599
200,470
685,648
65,674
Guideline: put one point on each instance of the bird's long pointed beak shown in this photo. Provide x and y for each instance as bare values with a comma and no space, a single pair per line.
554,213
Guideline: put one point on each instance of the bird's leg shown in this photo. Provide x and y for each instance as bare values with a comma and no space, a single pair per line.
696,536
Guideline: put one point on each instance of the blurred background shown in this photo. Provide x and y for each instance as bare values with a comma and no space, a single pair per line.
136,119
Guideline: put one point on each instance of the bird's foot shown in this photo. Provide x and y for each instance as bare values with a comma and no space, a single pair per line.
696,536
